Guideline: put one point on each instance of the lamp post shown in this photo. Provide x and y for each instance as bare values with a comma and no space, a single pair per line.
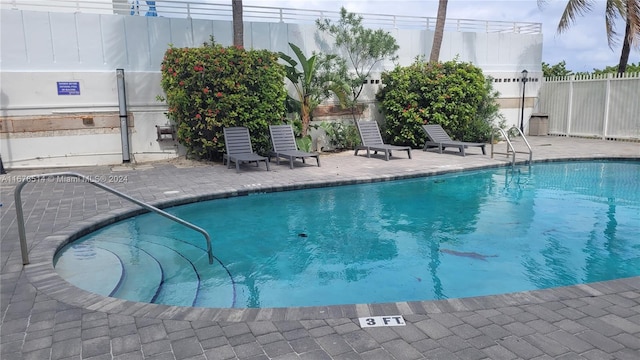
525,73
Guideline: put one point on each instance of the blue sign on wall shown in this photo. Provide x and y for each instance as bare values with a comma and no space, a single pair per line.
68,88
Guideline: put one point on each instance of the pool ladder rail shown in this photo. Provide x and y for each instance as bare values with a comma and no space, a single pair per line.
511,151
33,178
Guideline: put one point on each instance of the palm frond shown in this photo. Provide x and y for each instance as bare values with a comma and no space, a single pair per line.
571,12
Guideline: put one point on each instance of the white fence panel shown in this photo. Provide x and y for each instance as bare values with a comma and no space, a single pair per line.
624,108
588,103
605,106
555,96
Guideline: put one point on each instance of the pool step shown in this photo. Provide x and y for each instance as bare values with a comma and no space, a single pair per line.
142,274
180,281
216,287
146,268
85,258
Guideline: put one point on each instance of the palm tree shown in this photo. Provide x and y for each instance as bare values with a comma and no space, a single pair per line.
439,32
625,9
631,33
314,83
238,27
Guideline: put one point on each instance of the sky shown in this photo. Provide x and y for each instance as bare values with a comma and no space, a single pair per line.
583,46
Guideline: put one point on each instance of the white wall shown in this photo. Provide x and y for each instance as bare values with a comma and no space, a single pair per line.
38,49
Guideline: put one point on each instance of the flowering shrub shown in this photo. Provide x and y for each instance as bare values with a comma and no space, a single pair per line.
452,94
212,87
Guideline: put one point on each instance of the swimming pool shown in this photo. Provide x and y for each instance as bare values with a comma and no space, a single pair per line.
457,235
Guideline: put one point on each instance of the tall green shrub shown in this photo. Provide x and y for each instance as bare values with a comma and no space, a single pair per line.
453,94
212,87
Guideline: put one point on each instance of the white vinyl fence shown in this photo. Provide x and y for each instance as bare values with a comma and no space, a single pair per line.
603,106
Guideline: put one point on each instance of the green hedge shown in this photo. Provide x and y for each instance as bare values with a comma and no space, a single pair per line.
453,94
212,87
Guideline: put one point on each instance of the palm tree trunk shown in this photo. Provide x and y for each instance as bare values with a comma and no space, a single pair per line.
238,26
626,49
439,32
305,115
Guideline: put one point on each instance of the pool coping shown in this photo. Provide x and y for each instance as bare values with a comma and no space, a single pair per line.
44,278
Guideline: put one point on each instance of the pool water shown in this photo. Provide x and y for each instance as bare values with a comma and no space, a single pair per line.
457,235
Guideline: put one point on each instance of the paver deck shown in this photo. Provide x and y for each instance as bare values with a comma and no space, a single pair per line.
44,317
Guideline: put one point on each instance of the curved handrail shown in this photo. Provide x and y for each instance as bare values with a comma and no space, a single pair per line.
32,178
526,142
510,148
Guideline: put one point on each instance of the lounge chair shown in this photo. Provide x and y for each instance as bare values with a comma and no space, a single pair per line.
440,139
284,145
238,144
372,140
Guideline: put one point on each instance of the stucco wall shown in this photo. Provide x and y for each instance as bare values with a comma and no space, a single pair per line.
40,49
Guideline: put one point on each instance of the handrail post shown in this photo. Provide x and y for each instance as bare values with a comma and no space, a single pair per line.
20,218
492,140
31,178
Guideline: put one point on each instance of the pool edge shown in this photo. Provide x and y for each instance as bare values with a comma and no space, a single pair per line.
43,276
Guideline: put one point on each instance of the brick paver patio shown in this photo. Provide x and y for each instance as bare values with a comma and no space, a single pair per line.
43,317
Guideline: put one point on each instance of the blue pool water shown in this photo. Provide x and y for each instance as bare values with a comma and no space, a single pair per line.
457,235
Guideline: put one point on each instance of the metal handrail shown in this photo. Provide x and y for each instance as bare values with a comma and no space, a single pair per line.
510,148
32,178
526,142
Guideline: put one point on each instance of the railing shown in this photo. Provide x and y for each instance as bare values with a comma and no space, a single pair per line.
223,11
511,150
32,178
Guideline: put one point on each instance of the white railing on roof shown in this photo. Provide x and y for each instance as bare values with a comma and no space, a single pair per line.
222,11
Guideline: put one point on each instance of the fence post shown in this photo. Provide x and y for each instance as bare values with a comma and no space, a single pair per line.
570,107
607,100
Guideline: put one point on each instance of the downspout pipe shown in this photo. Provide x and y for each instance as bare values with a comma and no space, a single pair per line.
122,109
